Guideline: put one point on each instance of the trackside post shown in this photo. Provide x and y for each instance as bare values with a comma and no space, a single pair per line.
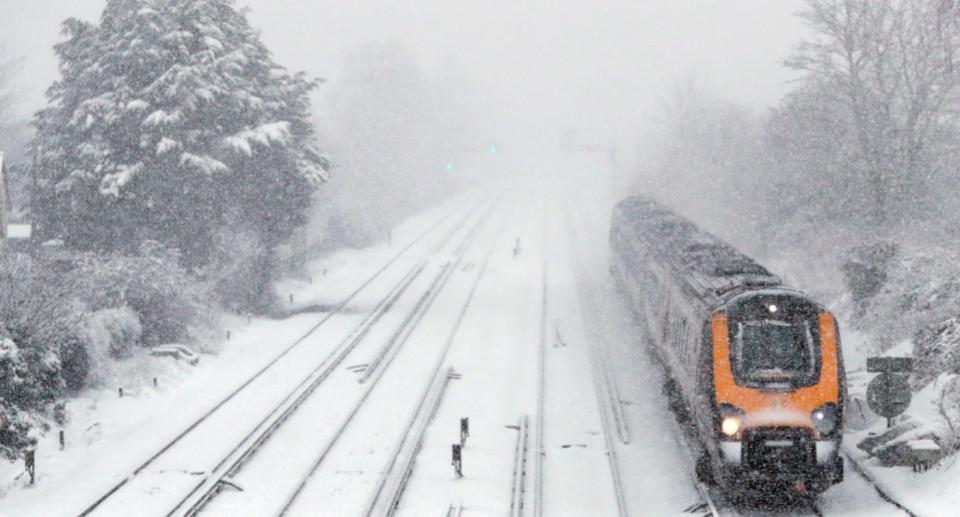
457,460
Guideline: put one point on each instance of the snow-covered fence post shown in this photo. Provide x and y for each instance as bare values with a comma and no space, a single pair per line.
62,446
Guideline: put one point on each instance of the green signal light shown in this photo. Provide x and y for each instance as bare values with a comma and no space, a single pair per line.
450,166
493,148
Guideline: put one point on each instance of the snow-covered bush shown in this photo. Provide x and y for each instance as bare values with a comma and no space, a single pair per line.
921,289
112,332
170,305
865,270
936,350
949,409
29,381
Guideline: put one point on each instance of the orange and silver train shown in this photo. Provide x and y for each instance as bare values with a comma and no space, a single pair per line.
754,367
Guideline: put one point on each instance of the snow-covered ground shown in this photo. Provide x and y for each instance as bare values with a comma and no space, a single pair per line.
932,492
523,304
108,437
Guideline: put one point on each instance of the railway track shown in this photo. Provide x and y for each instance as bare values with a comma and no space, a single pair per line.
604,387
393,480
714,503
399,465
539,450
518,485
880,491
220,472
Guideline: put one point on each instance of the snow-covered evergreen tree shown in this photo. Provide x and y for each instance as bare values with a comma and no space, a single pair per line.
171,122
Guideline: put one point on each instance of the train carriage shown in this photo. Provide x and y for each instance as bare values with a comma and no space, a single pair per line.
754,366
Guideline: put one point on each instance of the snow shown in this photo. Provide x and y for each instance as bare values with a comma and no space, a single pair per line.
165,145
19,231
265,135
496,352
138,105
213,43
162,117
112,183
204,164
924,445
108,436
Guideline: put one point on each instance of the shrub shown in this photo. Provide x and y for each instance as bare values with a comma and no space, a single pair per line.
112,332
38,331
75,364
865,269
28,382
920,289
169,304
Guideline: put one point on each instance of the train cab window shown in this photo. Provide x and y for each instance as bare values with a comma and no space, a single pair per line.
771,352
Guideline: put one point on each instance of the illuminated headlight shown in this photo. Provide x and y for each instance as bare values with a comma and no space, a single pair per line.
730,425
731,419
825,419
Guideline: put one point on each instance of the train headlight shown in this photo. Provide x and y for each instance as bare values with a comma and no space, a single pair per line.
731,419
825,418
730,425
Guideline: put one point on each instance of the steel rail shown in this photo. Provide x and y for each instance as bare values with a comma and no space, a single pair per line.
209,486
372,382
873,482
518,485
601,380
539,448
336,310
393,480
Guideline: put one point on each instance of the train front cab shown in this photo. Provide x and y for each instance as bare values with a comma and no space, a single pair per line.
777,386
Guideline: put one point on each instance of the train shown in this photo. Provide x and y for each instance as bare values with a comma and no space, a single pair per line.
754,367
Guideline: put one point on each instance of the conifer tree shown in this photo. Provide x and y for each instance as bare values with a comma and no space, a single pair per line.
171,122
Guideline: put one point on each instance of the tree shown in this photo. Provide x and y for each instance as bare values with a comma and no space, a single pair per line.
892,66
171,122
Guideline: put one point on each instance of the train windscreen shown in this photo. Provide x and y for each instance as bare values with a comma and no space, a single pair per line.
774,351
774,341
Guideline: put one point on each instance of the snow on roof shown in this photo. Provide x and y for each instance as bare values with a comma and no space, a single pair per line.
19,231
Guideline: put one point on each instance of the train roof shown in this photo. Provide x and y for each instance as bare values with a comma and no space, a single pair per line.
709,266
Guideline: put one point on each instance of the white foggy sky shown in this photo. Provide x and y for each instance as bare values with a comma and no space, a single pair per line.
544,65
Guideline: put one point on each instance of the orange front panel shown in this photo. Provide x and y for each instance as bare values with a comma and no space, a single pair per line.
753,400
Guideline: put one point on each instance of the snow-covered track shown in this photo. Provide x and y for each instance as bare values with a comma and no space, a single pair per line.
539,451
454,511
880,491
394,478
338,309
608,400
518,486
709,507
211,483
396,342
